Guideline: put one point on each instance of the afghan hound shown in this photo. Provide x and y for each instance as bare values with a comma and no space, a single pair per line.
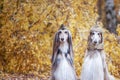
94,66
62,57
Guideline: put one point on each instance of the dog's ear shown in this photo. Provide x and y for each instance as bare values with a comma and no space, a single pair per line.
70,46
69,38
101,35
55,47
89,37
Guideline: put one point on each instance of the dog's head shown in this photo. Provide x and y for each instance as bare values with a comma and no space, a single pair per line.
96,36
62,35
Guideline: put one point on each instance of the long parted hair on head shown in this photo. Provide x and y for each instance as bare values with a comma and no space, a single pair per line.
95,38
62,36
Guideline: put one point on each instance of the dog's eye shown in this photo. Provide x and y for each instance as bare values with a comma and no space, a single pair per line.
66,32
91,33
60,32
98,33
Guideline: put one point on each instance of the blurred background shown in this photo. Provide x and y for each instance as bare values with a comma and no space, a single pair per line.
27,29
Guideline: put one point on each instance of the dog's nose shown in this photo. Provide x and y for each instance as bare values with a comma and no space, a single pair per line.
95,42
62,39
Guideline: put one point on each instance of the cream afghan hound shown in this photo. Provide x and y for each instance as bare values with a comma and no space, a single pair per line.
62,58
94,66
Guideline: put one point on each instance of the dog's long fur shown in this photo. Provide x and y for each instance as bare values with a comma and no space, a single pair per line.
62,58
94,66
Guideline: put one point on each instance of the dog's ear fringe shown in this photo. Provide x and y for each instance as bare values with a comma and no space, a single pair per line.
55,47
70,46
101,38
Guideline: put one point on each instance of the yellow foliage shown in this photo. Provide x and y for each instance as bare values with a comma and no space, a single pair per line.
27,33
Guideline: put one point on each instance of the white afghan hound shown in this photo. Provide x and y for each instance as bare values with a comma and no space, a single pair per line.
62,58
94,66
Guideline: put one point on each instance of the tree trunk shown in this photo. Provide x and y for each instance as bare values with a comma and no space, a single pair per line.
111,20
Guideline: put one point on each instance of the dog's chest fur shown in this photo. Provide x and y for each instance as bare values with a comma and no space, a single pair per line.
64,47
93,66
64,70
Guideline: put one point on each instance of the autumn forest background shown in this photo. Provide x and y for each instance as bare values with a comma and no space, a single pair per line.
27,29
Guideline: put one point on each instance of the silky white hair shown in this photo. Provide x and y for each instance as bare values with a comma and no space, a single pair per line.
94,66
62,57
